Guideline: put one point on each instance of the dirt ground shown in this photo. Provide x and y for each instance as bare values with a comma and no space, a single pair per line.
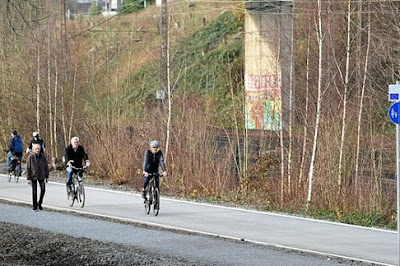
21,245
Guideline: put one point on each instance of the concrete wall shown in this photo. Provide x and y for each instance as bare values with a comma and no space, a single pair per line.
267,64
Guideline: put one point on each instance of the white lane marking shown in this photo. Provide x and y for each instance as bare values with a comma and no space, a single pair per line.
168,227
239,209
137,194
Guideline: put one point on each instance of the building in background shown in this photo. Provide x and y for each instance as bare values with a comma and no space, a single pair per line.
81,7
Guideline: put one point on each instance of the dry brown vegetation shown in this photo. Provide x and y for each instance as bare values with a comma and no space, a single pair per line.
84,72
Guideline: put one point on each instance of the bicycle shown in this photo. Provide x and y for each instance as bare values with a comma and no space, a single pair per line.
78,190
154,195
14,171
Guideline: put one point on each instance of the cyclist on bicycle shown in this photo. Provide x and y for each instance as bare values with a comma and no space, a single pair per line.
15,147
153,158
75,155
36,140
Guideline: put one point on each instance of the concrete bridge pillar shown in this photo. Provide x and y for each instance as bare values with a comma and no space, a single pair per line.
268,30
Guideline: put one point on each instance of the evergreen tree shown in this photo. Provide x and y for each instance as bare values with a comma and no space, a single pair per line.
130,6
95,10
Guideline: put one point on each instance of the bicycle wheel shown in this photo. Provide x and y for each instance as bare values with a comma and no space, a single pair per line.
81,194
16,176
71,196
16,173
147,202
156,201
9,176
147,206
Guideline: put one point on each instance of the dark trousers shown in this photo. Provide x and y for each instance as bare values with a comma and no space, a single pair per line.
34,192
147,180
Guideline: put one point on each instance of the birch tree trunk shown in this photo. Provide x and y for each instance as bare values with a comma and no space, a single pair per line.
52,161
64,46
303,153
38,92
281,142
3,90
282,149
55,111
360,44
245,161
289,172
346,88
117,108
361,104
319,102
169,96
63,108
71,120
235,117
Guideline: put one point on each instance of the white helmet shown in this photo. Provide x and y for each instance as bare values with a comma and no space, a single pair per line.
154,144
35,134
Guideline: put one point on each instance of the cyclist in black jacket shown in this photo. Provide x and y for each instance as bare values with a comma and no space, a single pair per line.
74,156
153,158
36,140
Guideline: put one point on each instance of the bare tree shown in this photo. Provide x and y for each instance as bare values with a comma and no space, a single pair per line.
361,103
64,63
22,14
38,92
55,110
346,89
291,100
169,92
320,39
50,98
71,120
303,153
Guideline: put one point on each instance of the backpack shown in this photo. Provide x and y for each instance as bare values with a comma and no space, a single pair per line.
18,145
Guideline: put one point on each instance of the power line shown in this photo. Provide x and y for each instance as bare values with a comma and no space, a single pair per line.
108,19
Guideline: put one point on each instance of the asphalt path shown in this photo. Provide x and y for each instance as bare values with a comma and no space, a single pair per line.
153,243
294,233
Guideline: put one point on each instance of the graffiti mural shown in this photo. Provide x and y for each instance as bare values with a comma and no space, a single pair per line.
263,102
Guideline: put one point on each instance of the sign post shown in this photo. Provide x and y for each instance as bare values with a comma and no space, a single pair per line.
394,115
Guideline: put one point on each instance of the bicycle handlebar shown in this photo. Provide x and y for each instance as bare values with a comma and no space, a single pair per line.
156,174
79,168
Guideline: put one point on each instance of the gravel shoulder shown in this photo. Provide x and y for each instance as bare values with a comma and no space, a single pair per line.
22,245
47,238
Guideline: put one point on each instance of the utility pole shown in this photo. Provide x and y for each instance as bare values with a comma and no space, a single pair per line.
65,66
163,43
63,22
165,67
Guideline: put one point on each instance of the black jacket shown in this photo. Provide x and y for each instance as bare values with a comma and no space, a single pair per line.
153,161
77,156
37,141
36,167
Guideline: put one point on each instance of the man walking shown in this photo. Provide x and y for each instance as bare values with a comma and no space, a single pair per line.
37,170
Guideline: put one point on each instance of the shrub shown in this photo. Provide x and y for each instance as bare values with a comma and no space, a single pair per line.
95,10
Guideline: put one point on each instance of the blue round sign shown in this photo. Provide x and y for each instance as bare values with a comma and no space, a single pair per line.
394,113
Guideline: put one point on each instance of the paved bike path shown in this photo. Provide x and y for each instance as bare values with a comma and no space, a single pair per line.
354,242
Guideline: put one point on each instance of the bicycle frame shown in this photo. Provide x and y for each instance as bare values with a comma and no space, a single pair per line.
16,173
154,195
78,189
